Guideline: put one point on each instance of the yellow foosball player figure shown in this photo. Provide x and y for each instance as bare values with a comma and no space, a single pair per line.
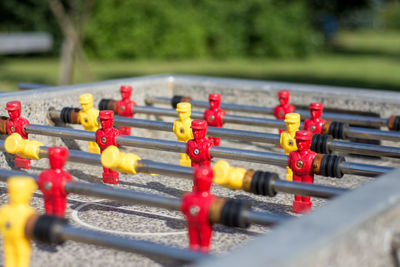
288,141
13,217
88,118
182,129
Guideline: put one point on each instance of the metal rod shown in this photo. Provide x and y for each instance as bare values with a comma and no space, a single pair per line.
335,145
372,134
140,198
5,174
354,132
69,232
123,195
60,132
75,156
304,189
218,152
250,156
108,192
211,131
364,149
152,143
204,104
244,120
255,217
361,120
364,169
149,166
279,185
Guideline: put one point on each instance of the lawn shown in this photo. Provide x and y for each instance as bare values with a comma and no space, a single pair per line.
362,59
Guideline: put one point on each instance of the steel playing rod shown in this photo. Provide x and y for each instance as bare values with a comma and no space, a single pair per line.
278,185
108,192
361,120
262,122
76,156
364,169
334,145
120,243
205,104
355,132
372,134
123,195
363,149
5,173
149,166
211,131
263,217
140,198
314,190
218,152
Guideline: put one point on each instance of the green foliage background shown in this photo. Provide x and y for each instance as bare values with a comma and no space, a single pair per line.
200,28
177,29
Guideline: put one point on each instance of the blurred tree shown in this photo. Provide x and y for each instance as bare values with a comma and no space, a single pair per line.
72,23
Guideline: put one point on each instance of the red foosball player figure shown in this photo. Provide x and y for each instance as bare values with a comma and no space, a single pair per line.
125,107
315,123
51,182
198,149
15,124
107,136
284,107
214,115
301,161
195,206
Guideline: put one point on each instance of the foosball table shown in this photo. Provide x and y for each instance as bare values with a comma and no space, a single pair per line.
175,170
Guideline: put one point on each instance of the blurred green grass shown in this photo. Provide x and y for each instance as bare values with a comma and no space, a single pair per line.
363,59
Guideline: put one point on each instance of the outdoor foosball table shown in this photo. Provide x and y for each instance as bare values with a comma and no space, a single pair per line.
138,200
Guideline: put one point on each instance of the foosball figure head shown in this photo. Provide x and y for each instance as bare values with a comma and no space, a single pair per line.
184,110
215,100
20,190
126,91
284,96
303,140
292,121
58,157
316,110
86,101
14,109
203,177
106,118
199,129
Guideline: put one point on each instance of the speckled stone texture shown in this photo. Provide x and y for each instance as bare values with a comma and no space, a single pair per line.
168,227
